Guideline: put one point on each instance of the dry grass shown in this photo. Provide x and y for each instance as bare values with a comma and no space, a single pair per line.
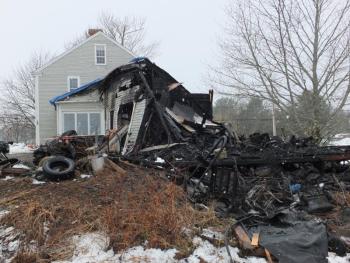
130,208
25,257
342,198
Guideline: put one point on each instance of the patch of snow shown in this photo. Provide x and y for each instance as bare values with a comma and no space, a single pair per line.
340,141
209,253
38,182
13,245
212,234
20,148
9,243
93,247
341,135
155,255
3,213
83,176
333,258
21,166
7,178
160,160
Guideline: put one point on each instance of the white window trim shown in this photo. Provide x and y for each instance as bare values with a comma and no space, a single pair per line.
105,48
72,77
76,120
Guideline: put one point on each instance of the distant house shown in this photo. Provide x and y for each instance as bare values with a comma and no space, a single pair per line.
78,69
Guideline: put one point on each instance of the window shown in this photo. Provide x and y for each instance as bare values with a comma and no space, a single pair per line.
69,122
82,123
100,54
95,123
85,123
73,82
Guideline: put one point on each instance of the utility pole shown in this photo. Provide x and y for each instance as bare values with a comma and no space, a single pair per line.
274,133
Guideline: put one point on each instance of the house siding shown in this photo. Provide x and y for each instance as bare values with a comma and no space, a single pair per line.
52,80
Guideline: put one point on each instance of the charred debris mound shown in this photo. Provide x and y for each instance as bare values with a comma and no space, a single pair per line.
290,195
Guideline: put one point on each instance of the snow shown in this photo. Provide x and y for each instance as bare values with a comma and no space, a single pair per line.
344,141
333,258
9,243
93,247
340,139
83,176
7,178
20,148
21,166
3,213
155,255
37,182
160,160
212,234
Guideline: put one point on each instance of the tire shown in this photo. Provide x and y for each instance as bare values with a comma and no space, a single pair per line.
59,168
43,161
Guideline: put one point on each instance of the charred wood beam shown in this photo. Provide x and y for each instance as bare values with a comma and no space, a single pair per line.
157,106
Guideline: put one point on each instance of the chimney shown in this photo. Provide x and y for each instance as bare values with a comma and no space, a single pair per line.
93,31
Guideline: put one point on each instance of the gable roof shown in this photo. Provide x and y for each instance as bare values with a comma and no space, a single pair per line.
79,45
89,85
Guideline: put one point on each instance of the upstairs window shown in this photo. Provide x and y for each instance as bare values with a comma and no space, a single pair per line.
100,54
73,82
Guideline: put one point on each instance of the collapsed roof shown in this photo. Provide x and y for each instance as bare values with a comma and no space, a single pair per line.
155,107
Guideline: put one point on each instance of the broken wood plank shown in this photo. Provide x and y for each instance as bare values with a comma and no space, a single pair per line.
268,256
115,167
243,238
13,171
255,240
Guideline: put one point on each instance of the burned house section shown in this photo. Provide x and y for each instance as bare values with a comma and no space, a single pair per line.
148,107
291,192
268,184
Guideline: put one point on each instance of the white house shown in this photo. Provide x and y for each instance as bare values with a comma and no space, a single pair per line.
77,69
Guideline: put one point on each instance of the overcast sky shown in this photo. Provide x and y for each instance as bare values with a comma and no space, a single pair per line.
187,30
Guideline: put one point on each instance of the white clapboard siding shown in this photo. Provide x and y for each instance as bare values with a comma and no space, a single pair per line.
135,125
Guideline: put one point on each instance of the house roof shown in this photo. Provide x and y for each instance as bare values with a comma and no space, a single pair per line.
87,86
79,45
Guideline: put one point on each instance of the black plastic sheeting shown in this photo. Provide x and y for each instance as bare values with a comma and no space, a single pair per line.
295,241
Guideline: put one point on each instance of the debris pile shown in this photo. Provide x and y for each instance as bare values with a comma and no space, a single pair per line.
269,185
289,197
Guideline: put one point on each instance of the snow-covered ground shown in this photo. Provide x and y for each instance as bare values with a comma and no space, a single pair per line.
93,247
20,148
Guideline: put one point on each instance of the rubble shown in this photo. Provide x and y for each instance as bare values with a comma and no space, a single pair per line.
254,179
289,196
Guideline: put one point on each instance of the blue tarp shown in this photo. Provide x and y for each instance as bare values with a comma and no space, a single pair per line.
84,87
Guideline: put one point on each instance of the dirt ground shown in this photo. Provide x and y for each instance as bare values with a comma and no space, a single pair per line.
131,208
24,157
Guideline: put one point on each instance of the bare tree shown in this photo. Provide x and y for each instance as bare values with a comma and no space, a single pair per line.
18,94
128,31
282,50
